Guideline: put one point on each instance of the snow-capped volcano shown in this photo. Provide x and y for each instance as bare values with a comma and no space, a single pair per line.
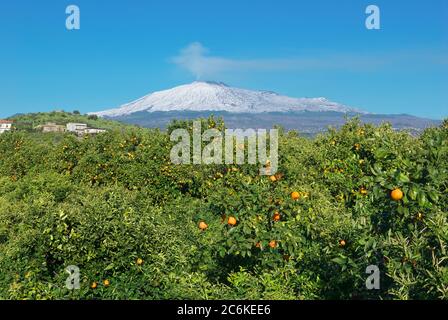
217,96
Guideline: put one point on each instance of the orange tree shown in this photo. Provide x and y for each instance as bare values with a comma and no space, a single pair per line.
134,223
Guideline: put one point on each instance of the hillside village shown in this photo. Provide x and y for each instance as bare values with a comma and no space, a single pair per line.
80,129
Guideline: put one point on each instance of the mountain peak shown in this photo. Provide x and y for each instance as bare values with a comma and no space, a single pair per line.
218,96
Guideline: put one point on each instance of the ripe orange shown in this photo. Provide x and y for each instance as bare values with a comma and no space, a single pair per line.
342,243
295,195
139,261
396,194
94,285
106,283
203,225
231,221
276,216
363,191
273,244
273,178
258,245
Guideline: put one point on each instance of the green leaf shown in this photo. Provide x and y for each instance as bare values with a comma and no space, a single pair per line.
340,260
381,153
421,198
376,169
433,196
109,267
413,193
402,178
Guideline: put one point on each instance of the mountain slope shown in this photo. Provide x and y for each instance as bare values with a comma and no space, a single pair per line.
241,108
309,123
216,96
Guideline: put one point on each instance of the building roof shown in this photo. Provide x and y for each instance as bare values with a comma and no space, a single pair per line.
6,121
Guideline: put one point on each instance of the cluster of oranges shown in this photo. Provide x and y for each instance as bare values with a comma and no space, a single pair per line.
232,221
106,283
272,244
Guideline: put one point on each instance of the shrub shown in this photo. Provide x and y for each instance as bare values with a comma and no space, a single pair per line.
116,207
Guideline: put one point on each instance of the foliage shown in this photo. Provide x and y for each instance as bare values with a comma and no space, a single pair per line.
116,207
30,121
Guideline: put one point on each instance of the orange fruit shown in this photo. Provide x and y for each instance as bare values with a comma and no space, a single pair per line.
231,221
258,245
273,244
396,194
94,285
203,225
363,191
419,216
139,261
276,216
106,283
342,243
279,175
273,178
295,195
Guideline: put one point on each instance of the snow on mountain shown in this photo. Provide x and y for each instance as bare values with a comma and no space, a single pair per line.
217,96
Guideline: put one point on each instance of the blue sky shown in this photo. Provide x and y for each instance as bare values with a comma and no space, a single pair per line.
319,48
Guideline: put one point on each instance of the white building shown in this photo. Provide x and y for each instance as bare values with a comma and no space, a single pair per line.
81,129
76,127
5,125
